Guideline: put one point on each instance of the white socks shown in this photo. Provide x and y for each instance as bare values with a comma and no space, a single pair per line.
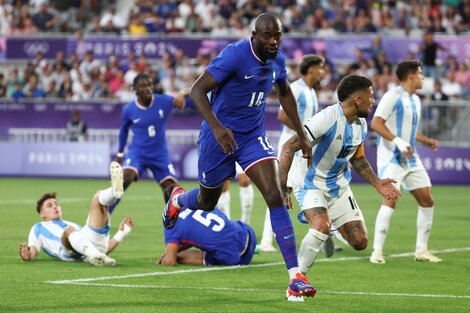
83,245
106,197
382,224
423,225
246,203
309,249
224,203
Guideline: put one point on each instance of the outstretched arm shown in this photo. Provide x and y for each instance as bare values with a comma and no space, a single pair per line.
286,98
224,136
363,168
124,229
123,133
27,253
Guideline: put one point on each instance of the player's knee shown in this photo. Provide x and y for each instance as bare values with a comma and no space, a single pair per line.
427,202
273,198
359,243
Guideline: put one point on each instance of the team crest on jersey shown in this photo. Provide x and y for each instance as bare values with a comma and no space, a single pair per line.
339,137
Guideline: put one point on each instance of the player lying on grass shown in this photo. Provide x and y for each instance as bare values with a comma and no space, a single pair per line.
68,241
219,241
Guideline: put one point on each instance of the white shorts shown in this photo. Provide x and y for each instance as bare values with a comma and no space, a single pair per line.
100,241
341,210
412,178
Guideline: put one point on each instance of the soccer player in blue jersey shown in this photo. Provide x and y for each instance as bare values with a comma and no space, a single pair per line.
146,117
219,240
337,134
396,120
67,241
240,78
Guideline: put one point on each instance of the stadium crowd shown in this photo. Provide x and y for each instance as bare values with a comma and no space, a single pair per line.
82,77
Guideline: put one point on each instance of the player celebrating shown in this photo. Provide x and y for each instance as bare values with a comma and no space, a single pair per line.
66,240
146,117
219,240
396,120
240,78
337,135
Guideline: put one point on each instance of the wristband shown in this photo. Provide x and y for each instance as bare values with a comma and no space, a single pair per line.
120,154
119,236
401,144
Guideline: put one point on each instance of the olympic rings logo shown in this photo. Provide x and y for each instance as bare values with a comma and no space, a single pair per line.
33,47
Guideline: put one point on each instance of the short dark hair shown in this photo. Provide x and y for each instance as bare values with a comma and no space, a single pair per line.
350,84
139,77
167,192
46,196
309,60
406,68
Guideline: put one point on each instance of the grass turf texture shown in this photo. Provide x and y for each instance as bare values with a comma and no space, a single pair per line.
346,283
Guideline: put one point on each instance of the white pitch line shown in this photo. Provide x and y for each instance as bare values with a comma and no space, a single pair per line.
271,291
223,268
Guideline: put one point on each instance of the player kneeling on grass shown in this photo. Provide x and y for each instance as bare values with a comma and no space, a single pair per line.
68,241
219,241
337,136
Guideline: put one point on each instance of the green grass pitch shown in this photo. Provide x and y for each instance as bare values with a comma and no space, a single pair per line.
346,283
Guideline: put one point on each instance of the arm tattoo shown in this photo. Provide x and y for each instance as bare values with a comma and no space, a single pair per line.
363,168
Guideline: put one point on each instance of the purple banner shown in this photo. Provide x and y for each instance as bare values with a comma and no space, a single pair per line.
56,114
26,48
338,49
64,159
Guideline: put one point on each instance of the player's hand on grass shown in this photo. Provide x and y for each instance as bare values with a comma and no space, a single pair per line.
25,253
386,188
225,139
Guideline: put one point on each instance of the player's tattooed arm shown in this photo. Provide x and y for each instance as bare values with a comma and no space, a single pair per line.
363,168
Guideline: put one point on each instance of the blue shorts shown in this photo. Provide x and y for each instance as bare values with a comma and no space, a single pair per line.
215,166
161,168
233,256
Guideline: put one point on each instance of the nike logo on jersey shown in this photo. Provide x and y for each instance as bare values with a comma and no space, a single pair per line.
287,237
248,77
136,120
339,137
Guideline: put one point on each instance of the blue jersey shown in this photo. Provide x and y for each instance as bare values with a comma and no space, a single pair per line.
244,82
225,242
148,125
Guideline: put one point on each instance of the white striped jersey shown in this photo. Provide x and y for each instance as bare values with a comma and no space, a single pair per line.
307,105
401,113
334,141
47,236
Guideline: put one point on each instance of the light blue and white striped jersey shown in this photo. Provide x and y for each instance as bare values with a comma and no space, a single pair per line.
47,236
401,113
334,141
307,105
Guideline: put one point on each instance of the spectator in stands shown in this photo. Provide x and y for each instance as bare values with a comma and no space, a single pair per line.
51,90
451,87
18,91
112,17
76,129
439,95
428,50
137,26
32,88
44,20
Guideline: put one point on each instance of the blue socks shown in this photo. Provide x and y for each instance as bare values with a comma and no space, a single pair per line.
189,199
285,237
